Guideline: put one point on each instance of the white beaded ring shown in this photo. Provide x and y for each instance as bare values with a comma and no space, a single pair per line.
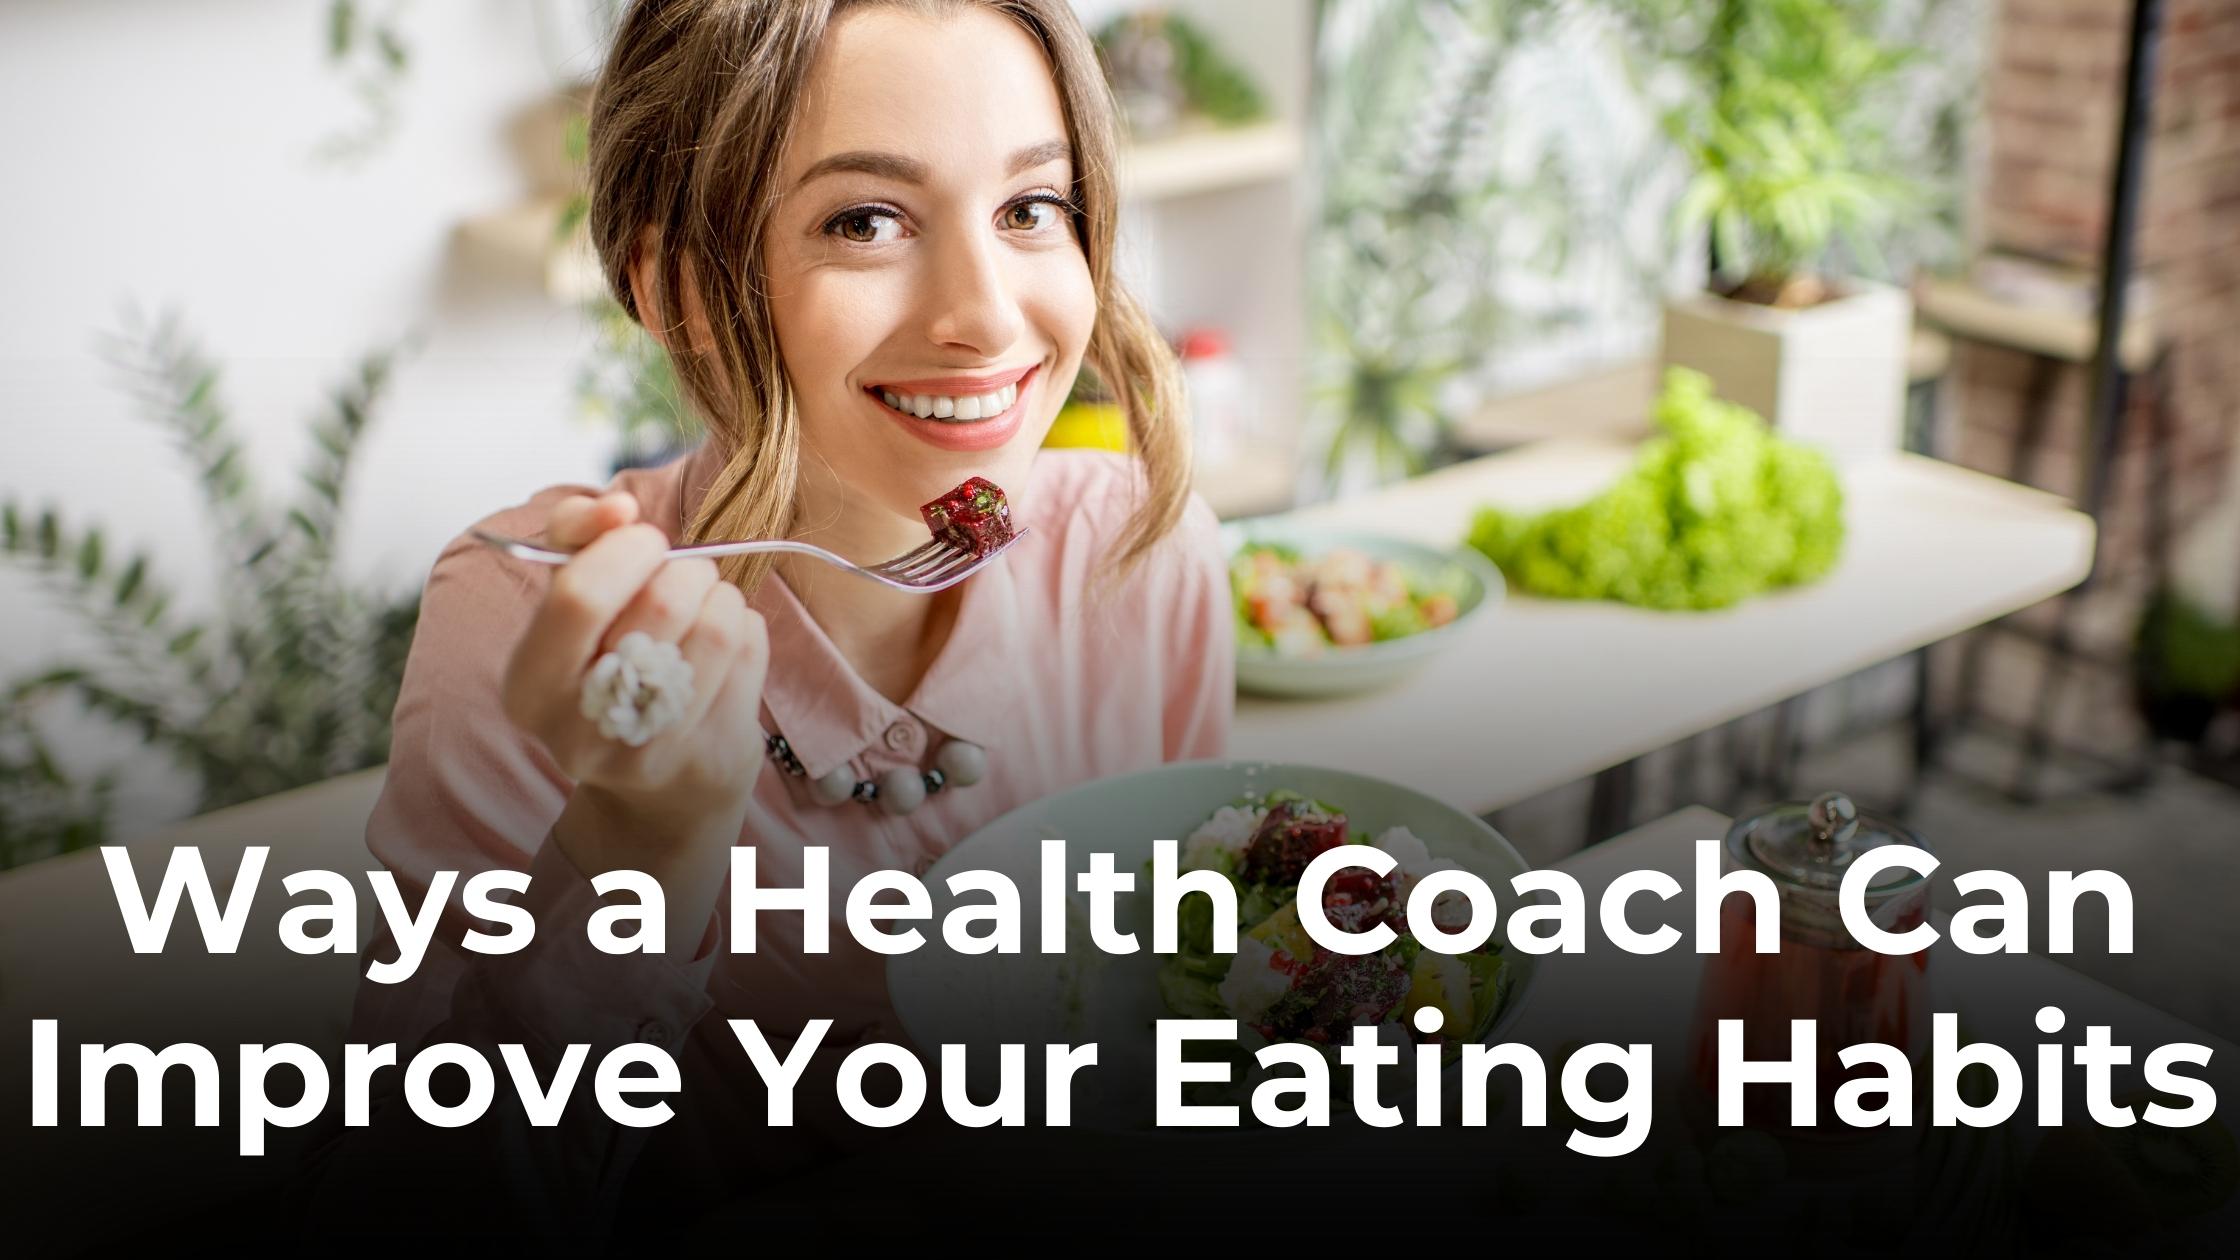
638,690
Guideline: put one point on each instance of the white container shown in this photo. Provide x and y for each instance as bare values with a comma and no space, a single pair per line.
1219,396
1833,375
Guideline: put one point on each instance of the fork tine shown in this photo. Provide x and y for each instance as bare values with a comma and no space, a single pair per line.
919,567
924,551
957,565
972,563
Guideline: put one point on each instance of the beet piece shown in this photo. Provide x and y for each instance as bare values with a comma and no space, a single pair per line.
975,517
1335,993
1356,899
1287,839
1358,989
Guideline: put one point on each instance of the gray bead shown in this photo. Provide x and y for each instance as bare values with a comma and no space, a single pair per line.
901,790
834,788
963,763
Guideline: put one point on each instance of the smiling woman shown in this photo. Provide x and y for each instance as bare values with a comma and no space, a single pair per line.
900,231
872,291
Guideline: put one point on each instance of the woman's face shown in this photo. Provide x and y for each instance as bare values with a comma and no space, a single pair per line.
930,298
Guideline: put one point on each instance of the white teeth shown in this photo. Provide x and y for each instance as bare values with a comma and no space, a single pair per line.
948,407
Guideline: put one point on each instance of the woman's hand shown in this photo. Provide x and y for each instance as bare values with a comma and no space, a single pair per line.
674,806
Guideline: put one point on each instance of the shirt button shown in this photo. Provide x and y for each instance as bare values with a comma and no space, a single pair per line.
653,1033
902,737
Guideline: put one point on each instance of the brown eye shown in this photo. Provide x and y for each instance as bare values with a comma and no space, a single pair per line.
1026,216
867,226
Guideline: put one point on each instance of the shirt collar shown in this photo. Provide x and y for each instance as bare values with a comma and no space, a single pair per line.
829,715
826,712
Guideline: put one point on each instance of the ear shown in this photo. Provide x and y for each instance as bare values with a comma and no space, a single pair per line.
643,286
644,291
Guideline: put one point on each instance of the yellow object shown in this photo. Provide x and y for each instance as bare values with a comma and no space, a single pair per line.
1282,931
1442,981
1099,426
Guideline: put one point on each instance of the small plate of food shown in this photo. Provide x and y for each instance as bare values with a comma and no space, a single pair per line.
1323,611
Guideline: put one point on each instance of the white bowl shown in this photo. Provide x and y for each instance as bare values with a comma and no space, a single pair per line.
1341,670
981,1001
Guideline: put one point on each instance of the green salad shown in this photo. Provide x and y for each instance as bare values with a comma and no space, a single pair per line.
1716,508
1296,605
1284,986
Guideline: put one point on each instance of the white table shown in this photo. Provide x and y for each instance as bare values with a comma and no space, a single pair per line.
1543,692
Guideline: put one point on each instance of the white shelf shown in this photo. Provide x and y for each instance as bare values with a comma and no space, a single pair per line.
1210,160
527,238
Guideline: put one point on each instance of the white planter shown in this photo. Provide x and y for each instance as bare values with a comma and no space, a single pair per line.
1833,374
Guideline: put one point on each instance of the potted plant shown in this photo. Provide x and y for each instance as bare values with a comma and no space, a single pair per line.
289,680
2185,666
1790,160
1430,245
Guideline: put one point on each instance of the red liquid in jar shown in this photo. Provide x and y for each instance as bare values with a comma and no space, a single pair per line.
1855,995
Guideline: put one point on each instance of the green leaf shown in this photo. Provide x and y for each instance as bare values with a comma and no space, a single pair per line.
128,582
59,676
199,393
393,51
89,555
183,642
342,23
572,215
50,536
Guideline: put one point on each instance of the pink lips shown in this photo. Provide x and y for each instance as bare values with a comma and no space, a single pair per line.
985,434
955,386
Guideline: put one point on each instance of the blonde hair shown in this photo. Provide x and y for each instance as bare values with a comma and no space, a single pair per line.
689,120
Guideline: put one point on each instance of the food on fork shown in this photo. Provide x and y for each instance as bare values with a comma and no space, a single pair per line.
974,517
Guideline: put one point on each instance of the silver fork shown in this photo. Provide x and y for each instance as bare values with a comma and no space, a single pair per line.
936,566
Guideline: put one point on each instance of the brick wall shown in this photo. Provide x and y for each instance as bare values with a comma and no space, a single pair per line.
2053,107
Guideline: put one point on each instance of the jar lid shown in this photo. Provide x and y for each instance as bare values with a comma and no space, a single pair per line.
1813,844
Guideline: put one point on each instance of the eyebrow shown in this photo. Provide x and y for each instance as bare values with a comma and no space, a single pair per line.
906,170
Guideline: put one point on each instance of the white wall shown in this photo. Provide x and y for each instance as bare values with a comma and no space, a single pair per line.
159,152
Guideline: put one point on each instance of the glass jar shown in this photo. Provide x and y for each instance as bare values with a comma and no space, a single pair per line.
1821,973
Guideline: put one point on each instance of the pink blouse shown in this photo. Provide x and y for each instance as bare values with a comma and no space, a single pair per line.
1061,671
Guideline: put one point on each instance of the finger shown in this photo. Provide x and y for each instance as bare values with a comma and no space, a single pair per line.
579,520
725,631
587,594
735,714
667,605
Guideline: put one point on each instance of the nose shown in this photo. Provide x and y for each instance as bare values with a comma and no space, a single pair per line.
971,298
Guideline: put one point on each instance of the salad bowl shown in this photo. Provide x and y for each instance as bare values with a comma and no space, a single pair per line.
1462,585
981,1001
